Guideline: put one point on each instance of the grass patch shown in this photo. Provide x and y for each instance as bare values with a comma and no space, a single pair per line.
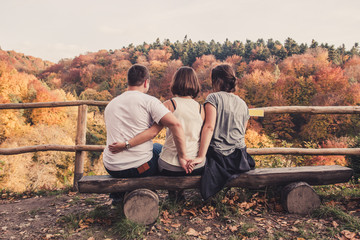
179,234
72,221
348,222
338,192
221,207
100,212
248,230
34,212
279,235
171,206
306,231
90,201
6,194
127,229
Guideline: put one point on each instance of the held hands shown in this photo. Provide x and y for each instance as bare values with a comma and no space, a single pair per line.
189,164
117,147
192,163
184,163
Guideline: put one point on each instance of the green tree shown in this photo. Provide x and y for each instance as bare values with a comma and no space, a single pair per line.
291,46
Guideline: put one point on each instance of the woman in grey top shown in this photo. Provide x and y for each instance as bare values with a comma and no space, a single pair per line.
223,134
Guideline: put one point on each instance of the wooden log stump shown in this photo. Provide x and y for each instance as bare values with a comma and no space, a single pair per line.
299,198
141,206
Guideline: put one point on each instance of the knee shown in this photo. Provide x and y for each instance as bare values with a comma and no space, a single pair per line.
157,147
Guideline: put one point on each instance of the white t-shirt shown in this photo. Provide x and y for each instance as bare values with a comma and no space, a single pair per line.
126,116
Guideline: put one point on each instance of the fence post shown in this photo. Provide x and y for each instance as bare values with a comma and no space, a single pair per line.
80,140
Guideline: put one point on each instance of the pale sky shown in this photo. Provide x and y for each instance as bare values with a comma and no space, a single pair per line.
53,30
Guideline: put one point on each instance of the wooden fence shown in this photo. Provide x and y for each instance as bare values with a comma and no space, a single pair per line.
80,142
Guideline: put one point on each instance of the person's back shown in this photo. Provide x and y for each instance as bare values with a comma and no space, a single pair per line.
222,136
232,115
185,86
126,116
188,112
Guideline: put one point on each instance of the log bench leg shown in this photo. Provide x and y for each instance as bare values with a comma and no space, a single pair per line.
141,206
299,198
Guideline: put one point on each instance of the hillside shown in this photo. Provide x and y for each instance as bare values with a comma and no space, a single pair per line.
270,74
24,63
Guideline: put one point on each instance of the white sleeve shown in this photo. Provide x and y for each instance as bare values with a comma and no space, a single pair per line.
157,110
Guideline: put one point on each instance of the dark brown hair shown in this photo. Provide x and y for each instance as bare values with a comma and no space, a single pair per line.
137,74
185,83
223,77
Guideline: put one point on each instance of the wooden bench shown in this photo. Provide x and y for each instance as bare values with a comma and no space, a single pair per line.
141,204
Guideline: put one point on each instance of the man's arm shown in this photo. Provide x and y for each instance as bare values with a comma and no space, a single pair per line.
170,121
142,137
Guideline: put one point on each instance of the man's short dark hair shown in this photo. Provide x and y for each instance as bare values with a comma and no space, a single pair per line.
137,74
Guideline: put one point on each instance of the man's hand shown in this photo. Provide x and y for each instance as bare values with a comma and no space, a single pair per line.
117,147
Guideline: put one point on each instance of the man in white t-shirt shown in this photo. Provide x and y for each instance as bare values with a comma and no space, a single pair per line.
129,114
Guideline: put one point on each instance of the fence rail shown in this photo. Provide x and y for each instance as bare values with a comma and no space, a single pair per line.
80,148
267,110
252,151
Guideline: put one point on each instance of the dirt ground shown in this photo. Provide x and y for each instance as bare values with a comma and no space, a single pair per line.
70,215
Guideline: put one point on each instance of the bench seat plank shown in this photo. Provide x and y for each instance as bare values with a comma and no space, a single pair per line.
254,179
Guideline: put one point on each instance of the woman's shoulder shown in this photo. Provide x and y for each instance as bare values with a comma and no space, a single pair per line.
212,96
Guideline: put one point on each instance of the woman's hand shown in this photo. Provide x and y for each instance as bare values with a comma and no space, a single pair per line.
184,164
192,163
117,147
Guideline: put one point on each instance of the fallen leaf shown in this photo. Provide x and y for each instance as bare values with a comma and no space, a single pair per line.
192,232
165,221
212,215
176,225
207,229
233,228
49,236
165,214
294,229
348,234
296,222
191,211
205,209
341,238
91,238
82,224
331,203
251,230
89,220
335,224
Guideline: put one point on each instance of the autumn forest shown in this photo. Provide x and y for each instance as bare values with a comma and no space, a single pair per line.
270,73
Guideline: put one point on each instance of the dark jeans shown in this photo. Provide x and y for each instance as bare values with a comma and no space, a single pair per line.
133,172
